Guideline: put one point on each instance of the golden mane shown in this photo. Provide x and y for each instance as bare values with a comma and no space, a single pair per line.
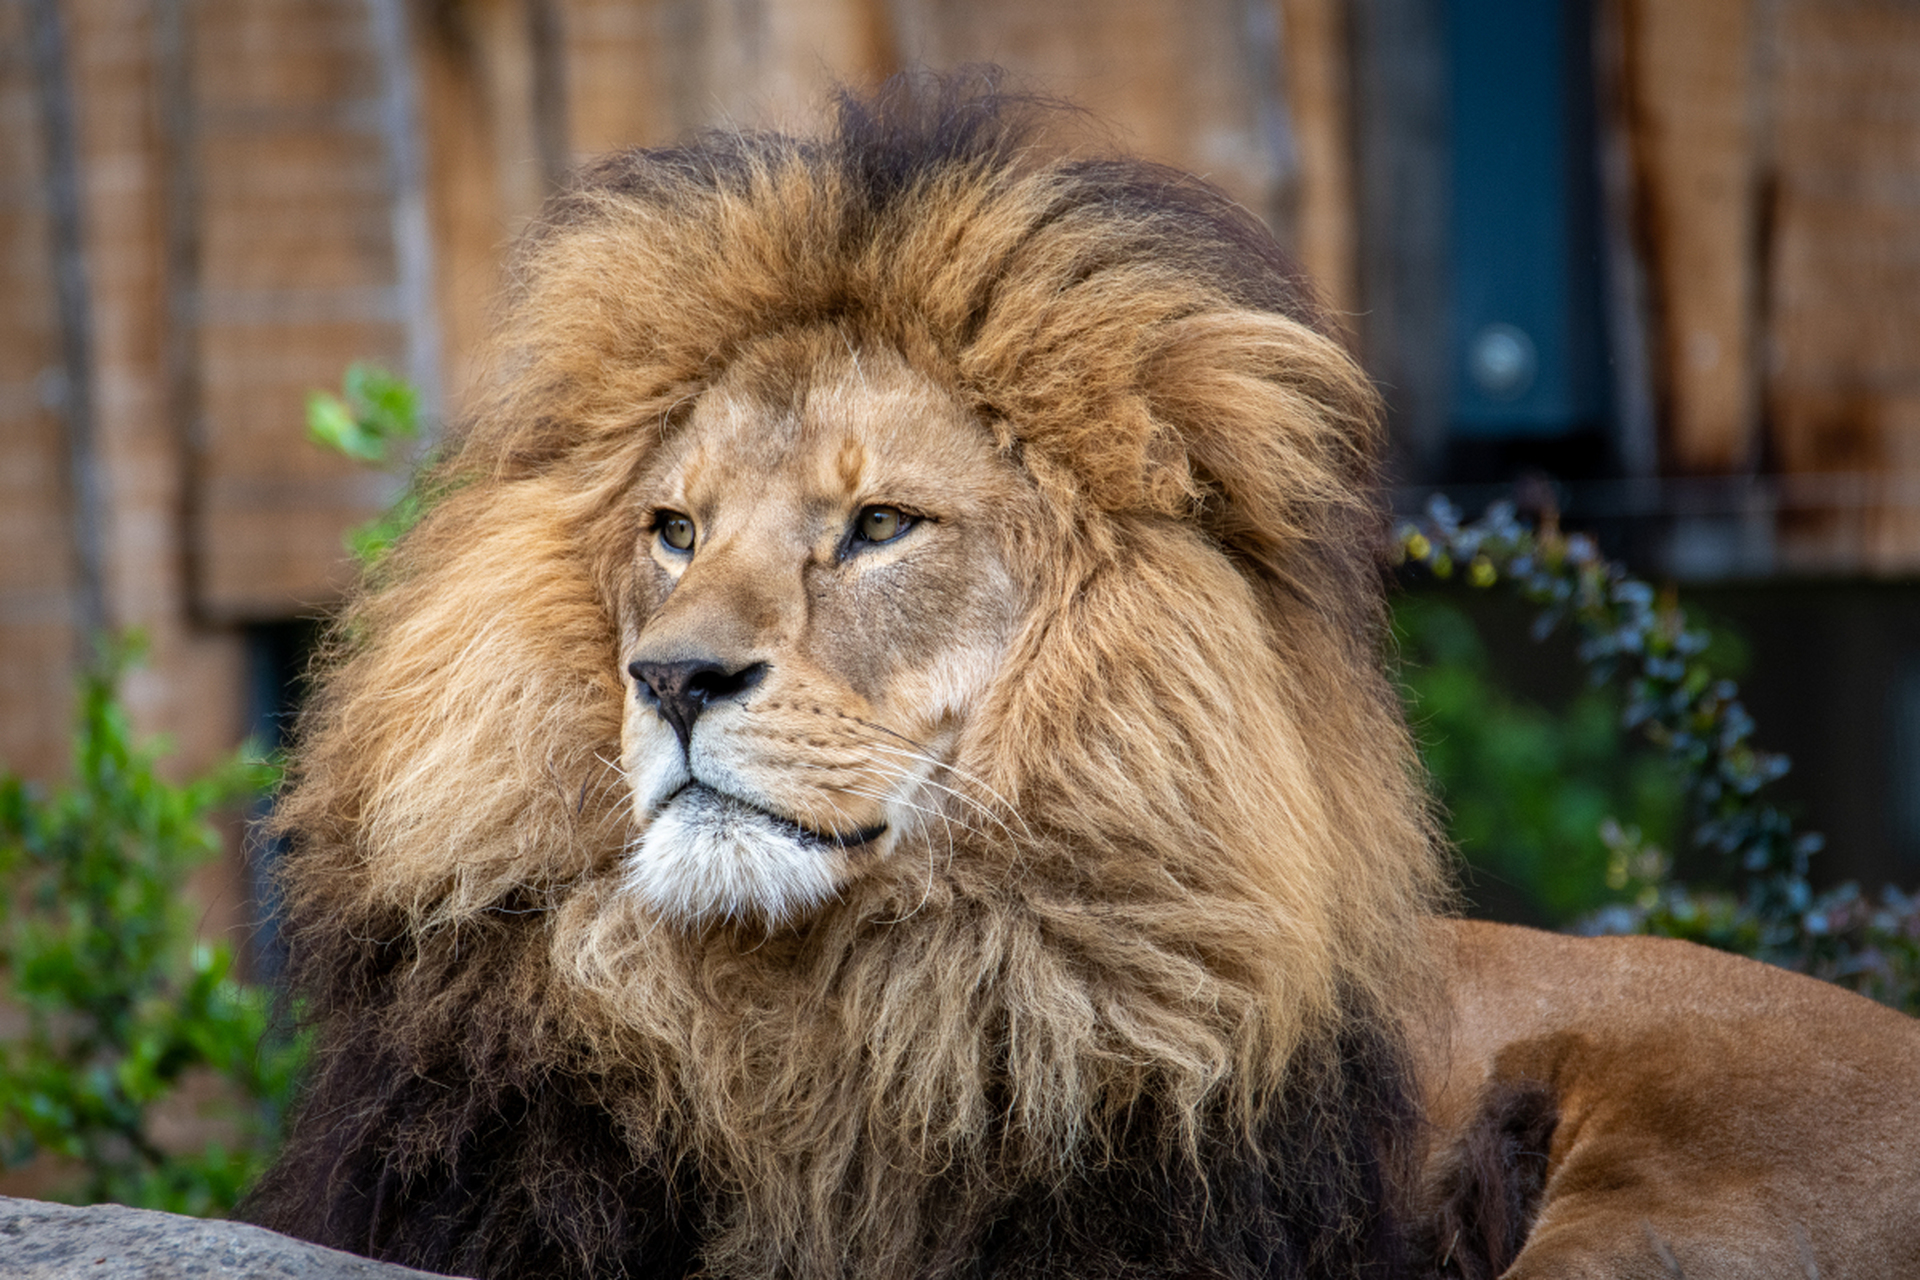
1188,933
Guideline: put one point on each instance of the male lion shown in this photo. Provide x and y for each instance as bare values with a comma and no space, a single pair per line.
879,766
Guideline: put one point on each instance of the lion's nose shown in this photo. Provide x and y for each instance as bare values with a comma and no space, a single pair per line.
682,690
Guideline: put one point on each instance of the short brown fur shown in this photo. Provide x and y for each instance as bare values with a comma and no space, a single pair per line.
1640,1109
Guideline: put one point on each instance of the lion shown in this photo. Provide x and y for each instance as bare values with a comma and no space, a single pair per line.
878,763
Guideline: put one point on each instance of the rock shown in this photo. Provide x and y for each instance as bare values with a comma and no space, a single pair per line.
41,1241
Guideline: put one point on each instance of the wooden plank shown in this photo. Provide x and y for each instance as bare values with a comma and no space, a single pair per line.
619,59
1843,268
1689,93
1200,86
297,275
773,64
482,169
1317,59
642,74
189,687
1401,133
633,74
494,90
1191,85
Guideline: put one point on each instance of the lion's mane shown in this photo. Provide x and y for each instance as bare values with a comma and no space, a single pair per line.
1144,1022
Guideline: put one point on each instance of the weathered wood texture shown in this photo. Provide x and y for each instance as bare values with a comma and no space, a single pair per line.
1252,93
191,684
1842,307
297,276
1400,122
1690,103
1777,169
1318,89
244,240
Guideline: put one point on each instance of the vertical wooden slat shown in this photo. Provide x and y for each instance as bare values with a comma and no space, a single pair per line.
1317,60
1400,127
1690,98
773,63
622,59
189,685
648,72
48,41
1636,423
304,267
492,114
1182,84
400,120
177,151
1843,267
518,89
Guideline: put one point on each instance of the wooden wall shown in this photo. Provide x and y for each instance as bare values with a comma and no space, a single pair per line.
265,190
255,210
1777,148
1841,319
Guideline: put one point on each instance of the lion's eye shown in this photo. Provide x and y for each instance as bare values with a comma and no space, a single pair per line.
675,530
881,524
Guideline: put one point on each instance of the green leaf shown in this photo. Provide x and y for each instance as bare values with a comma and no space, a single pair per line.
377,412
332,424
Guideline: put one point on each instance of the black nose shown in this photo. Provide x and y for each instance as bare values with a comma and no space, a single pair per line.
682,690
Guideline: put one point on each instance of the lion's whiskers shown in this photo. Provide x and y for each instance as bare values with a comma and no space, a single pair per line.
926,894
920,753
883,773
976,803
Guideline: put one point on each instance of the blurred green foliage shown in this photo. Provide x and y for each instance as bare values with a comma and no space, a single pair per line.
1528,791
1751,892
375,413
125,1013
374,420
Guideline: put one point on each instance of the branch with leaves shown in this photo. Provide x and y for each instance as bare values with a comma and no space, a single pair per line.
1637,638
375,420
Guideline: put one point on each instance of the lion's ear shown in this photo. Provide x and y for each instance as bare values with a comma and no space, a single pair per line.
1280,426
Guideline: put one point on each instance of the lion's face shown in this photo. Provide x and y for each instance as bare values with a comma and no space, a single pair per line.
820,596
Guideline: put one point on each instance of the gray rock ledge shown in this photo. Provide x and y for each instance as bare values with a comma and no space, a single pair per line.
42,1241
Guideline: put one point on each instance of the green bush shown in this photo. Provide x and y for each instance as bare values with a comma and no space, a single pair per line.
125,1011
1676,700
1530,794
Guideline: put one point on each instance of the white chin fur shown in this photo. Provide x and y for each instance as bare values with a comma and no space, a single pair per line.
707,858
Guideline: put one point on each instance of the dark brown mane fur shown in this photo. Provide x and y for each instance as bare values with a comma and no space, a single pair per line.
1156,1035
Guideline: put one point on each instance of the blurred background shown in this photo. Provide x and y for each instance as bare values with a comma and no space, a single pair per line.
1660,260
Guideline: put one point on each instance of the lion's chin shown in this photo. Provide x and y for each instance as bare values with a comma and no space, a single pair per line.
707,858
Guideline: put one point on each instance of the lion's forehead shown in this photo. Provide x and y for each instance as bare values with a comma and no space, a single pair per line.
839,427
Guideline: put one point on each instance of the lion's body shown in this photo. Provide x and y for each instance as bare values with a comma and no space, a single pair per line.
1654,1109
879,764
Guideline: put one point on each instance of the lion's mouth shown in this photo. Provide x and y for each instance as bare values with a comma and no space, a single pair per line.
847,840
